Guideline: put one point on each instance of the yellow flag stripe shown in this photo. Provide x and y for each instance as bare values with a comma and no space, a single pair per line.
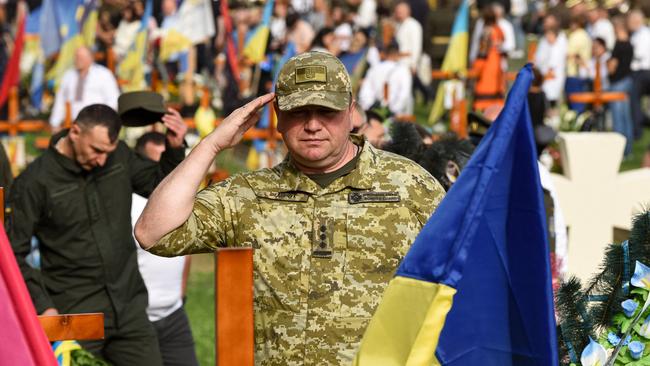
455,61
407,324
255,48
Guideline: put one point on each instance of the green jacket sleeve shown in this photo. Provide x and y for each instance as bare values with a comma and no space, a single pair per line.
25,202
146,173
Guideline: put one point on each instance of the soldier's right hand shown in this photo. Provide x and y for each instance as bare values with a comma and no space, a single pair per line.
231,130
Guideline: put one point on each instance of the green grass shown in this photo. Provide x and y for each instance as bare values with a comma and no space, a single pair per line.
638,149
200,307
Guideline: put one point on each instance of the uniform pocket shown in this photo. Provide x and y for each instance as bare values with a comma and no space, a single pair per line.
379,236
275,230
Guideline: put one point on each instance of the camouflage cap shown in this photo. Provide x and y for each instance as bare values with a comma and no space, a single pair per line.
313,78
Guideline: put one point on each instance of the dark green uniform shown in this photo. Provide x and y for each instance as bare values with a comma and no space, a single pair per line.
82,220
5,170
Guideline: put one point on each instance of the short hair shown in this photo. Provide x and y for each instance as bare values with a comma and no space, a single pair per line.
153,137
601,41
100,115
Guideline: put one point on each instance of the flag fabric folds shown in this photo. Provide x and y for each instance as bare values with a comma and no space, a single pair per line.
23,340
255,48
196,21
50,23
475,287
70,26
231,51
11,75
456,57
131,68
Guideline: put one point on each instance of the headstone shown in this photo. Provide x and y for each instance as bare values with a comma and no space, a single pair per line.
594,197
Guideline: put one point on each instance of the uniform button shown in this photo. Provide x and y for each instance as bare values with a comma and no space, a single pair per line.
323,228
322,244
323,236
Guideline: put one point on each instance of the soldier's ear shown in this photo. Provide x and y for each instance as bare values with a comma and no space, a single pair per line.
75,131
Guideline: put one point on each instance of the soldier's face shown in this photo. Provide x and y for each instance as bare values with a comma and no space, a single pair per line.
316,137
91,146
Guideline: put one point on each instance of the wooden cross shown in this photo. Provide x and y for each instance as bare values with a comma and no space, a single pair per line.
13,125
66,326
594,197
598,97
458,112
234,326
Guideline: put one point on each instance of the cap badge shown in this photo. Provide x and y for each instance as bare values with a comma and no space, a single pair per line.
314,73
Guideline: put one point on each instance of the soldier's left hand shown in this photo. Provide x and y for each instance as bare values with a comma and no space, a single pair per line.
176,128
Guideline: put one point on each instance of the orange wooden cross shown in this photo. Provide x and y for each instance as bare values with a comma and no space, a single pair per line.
458,112
598,97
13,125
234,324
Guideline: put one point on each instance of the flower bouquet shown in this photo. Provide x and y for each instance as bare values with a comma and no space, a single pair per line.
607,323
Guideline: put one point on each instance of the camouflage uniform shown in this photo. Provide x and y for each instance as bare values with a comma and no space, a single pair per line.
323,256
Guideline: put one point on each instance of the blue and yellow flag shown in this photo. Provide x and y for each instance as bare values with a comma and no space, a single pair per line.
475,287
72,18
456,57
255,48
131,68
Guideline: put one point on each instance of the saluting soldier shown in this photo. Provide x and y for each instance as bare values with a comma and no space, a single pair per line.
329,224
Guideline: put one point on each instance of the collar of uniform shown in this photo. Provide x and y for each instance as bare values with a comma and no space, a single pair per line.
292,179
359,177
61,159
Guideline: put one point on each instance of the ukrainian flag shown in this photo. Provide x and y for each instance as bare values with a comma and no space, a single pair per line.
456,57
131,68
255,48
475,287
76,17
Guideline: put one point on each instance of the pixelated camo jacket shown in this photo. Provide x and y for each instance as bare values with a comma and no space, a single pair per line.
322,257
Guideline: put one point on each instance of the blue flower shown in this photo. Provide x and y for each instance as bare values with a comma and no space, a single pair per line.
628,307
593,355
613,339
636,349
641,276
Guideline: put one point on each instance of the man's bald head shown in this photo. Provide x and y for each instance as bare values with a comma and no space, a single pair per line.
83,58
402,11
635,20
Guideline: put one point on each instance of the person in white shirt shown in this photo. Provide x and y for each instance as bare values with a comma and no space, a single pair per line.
640,39
126,31
408,34
366,16
88,83
550,58
388,83
165,279
601,27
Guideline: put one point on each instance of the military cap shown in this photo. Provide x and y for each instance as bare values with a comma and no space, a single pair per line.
313,78
140,108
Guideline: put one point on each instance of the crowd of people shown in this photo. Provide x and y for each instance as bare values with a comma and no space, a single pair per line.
384,46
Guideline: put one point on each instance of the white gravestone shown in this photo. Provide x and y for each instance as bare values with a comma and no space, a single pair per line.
594,197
